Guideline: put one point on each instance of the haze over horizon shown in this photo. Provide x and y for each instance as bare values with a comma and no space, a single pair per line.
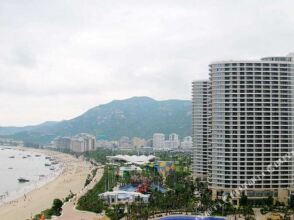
60,58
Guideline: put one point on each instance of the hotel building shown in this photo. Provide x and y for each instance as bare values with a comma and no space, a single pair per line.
200,124
251,126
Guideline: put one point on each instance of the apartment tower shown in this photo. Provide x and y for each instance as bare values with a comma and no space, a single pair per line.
251,104
200,132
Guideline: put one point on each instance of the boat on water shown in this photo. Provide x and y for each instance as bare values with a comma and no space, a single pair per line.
47,164
23,180
10,168
52,168
37,155
54,163
24,157
12,157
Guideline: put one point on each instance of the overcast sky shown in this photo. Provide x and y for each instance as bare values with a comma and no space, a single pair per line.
59,58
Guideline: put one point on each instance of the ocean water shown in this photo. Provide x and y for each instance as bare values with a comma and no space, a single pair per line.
16,164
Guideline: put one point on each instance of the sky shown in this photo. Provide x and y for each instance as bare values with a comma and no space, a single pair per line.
58,58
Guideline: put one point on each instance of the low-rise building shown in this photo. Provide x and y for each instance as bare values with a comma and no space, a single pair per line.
124,142
122,197
104,144
138,142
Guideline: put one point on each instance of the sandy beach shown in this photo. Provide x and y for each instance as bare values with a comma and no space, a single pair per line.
72,178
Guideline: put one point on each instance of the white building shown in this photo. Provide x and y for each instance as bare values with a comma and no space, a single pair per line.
62,143
187,143
173,141
89,141
136,160
122,197
251,126
83,142
77,145
200,134
158,140
131,168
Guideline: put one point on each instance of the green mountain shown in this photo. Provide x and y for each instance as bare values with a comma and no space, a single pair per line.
137,116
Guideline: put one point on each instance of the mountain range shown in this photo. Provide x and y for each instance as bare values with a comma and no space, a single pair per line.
133,117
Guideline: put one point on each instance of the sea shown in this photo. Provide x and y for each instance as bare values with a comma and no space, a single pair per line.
16,163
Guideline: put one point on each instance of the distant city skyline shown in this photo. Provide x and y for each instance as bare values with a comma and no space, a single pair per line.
60,58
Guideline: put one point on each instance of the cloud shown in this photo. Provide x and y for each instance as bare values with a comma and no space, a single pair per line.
77,54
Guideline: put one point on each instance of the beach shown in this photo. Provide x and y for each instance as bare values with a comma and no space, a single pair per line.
72,178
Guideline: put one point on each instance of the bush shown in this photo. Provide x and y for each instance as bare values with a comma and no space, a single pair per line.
90,201
57,207
55,210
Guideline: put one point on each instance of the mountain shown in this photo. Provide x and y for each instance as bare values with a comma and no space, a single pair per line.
137,116
12,130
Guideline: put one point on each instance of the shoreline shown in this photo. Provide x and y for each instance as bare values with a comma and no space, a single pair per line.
16,194
71,177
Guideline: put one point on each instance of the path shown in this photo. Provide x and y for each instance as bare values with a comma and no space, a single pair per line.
69,211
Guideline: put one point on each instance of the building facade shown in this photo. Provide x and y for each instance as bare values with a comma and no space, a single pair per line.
77,145
251,104
62,143
158,140
89,141
173,141
187,143
200,124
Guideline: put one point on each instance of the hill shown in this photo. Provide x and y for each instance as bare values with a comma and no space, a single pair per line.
137,116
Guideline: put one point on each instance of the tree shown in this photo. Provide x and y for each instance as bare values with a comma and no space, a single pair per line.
243,200
57,207
269,201
291,203
247,212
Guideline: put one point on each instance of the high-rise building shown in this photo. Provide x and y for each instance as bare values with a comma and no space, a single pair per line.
187,143
173,141
251,125
158,140
200,122
78,145
62,143
89,141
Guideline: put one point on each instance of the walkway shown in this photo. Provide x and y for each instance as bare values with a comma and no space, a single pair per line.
69,211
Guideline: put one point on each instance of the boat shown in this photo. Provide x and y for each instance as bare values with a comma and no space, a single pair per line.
37,155
12,157
47,164
52,168
22,180
54,163
24,157
10,168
